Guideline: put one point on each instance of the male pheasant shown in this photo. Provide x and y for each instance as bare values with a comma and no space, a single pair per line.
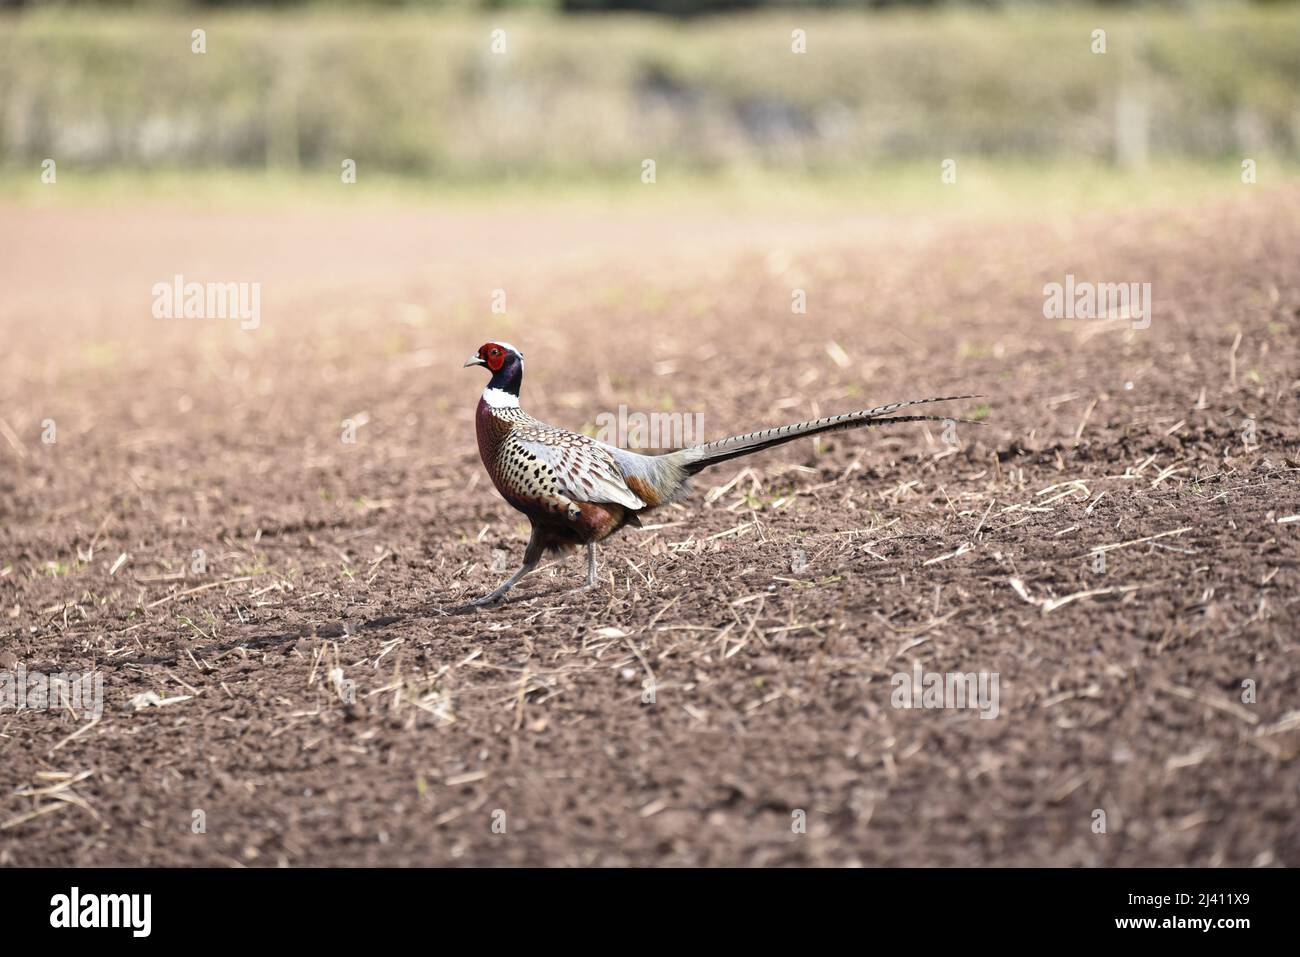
578,491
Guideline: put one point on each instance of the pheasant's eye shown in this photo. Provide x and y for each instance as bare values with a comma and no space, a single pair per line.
496,352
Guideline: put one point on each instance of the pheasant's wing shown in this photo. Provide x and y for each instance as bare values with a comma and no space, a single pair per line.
582,468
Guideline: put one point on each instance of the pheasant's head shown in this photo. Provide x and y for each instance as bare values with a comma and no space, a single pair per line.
505,362
496,356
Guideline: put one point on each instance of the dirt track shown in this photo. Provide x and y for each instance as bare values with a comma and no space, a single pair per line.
772,681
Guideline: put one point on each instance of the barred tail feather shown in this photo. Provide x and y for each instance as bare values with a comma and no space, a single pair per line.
700,457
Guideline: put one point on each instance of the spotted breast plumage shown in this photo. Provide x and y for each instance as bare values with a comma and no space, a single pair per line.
577,491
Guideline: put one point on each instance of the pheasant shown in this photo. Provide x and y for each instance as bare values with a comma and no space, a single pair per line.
578,491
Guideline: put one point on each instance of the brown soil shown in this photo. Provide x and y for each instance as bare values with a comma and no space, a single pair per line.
772,681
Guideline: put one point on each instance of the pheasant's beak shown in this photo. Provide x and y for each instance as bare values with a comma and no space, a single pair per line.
473,360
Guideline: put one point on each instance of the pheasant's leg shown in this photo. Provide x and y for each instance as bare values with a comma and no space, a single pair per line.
591,564
505,586
532,555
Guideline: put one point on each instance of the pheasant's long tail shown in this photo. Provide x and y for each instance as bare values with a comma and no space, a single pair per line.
700,457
